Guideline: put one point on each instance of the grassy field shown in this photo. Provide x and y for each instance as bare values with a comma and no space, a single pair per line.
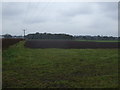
59,68
100,40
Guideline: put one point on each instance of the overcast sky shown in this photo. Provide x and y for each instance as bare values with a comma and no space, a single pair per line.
80,18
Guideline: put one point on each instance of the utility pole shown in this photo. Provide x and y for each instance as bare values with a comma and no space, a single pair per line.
24,32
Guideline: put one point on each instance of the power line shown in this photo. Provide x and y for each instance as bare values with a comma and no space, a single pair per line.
36,14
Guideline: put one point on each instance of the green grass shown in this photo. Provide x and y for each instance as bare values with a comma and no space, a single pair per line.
100,40
59,68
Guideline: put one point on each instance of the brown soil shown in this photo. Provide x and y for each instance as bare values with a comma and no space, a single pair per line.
69,44
8,42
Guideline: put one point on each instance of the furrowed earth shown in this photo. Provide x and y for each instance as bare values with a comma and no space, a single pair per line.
69,44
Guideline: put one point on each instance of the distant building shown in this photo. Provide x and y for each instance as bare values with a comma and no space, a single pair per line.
18,37
1,36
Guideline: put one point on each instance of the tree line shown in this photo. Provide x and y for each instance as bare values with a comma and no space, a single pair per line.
49,36
38,35
96,38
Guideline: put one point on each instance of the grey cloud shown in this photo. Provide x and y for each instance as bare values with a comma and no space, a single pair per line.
34,20
80,9
110,9
72,18
13,10
76,12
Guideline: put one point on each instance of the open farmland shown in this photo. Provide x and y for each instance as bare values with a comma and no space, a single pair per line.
8,42
69,44
59,68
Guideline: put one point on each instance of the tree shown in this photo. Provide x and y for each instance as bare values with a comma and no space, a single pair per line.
7,36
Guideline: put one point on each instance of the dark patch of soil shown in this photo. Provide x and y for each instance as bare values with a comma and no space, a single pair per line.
69,44
8,42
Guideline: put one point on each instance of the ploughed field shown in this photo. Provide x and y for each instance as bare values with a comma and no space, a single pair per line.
69,44
8,42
